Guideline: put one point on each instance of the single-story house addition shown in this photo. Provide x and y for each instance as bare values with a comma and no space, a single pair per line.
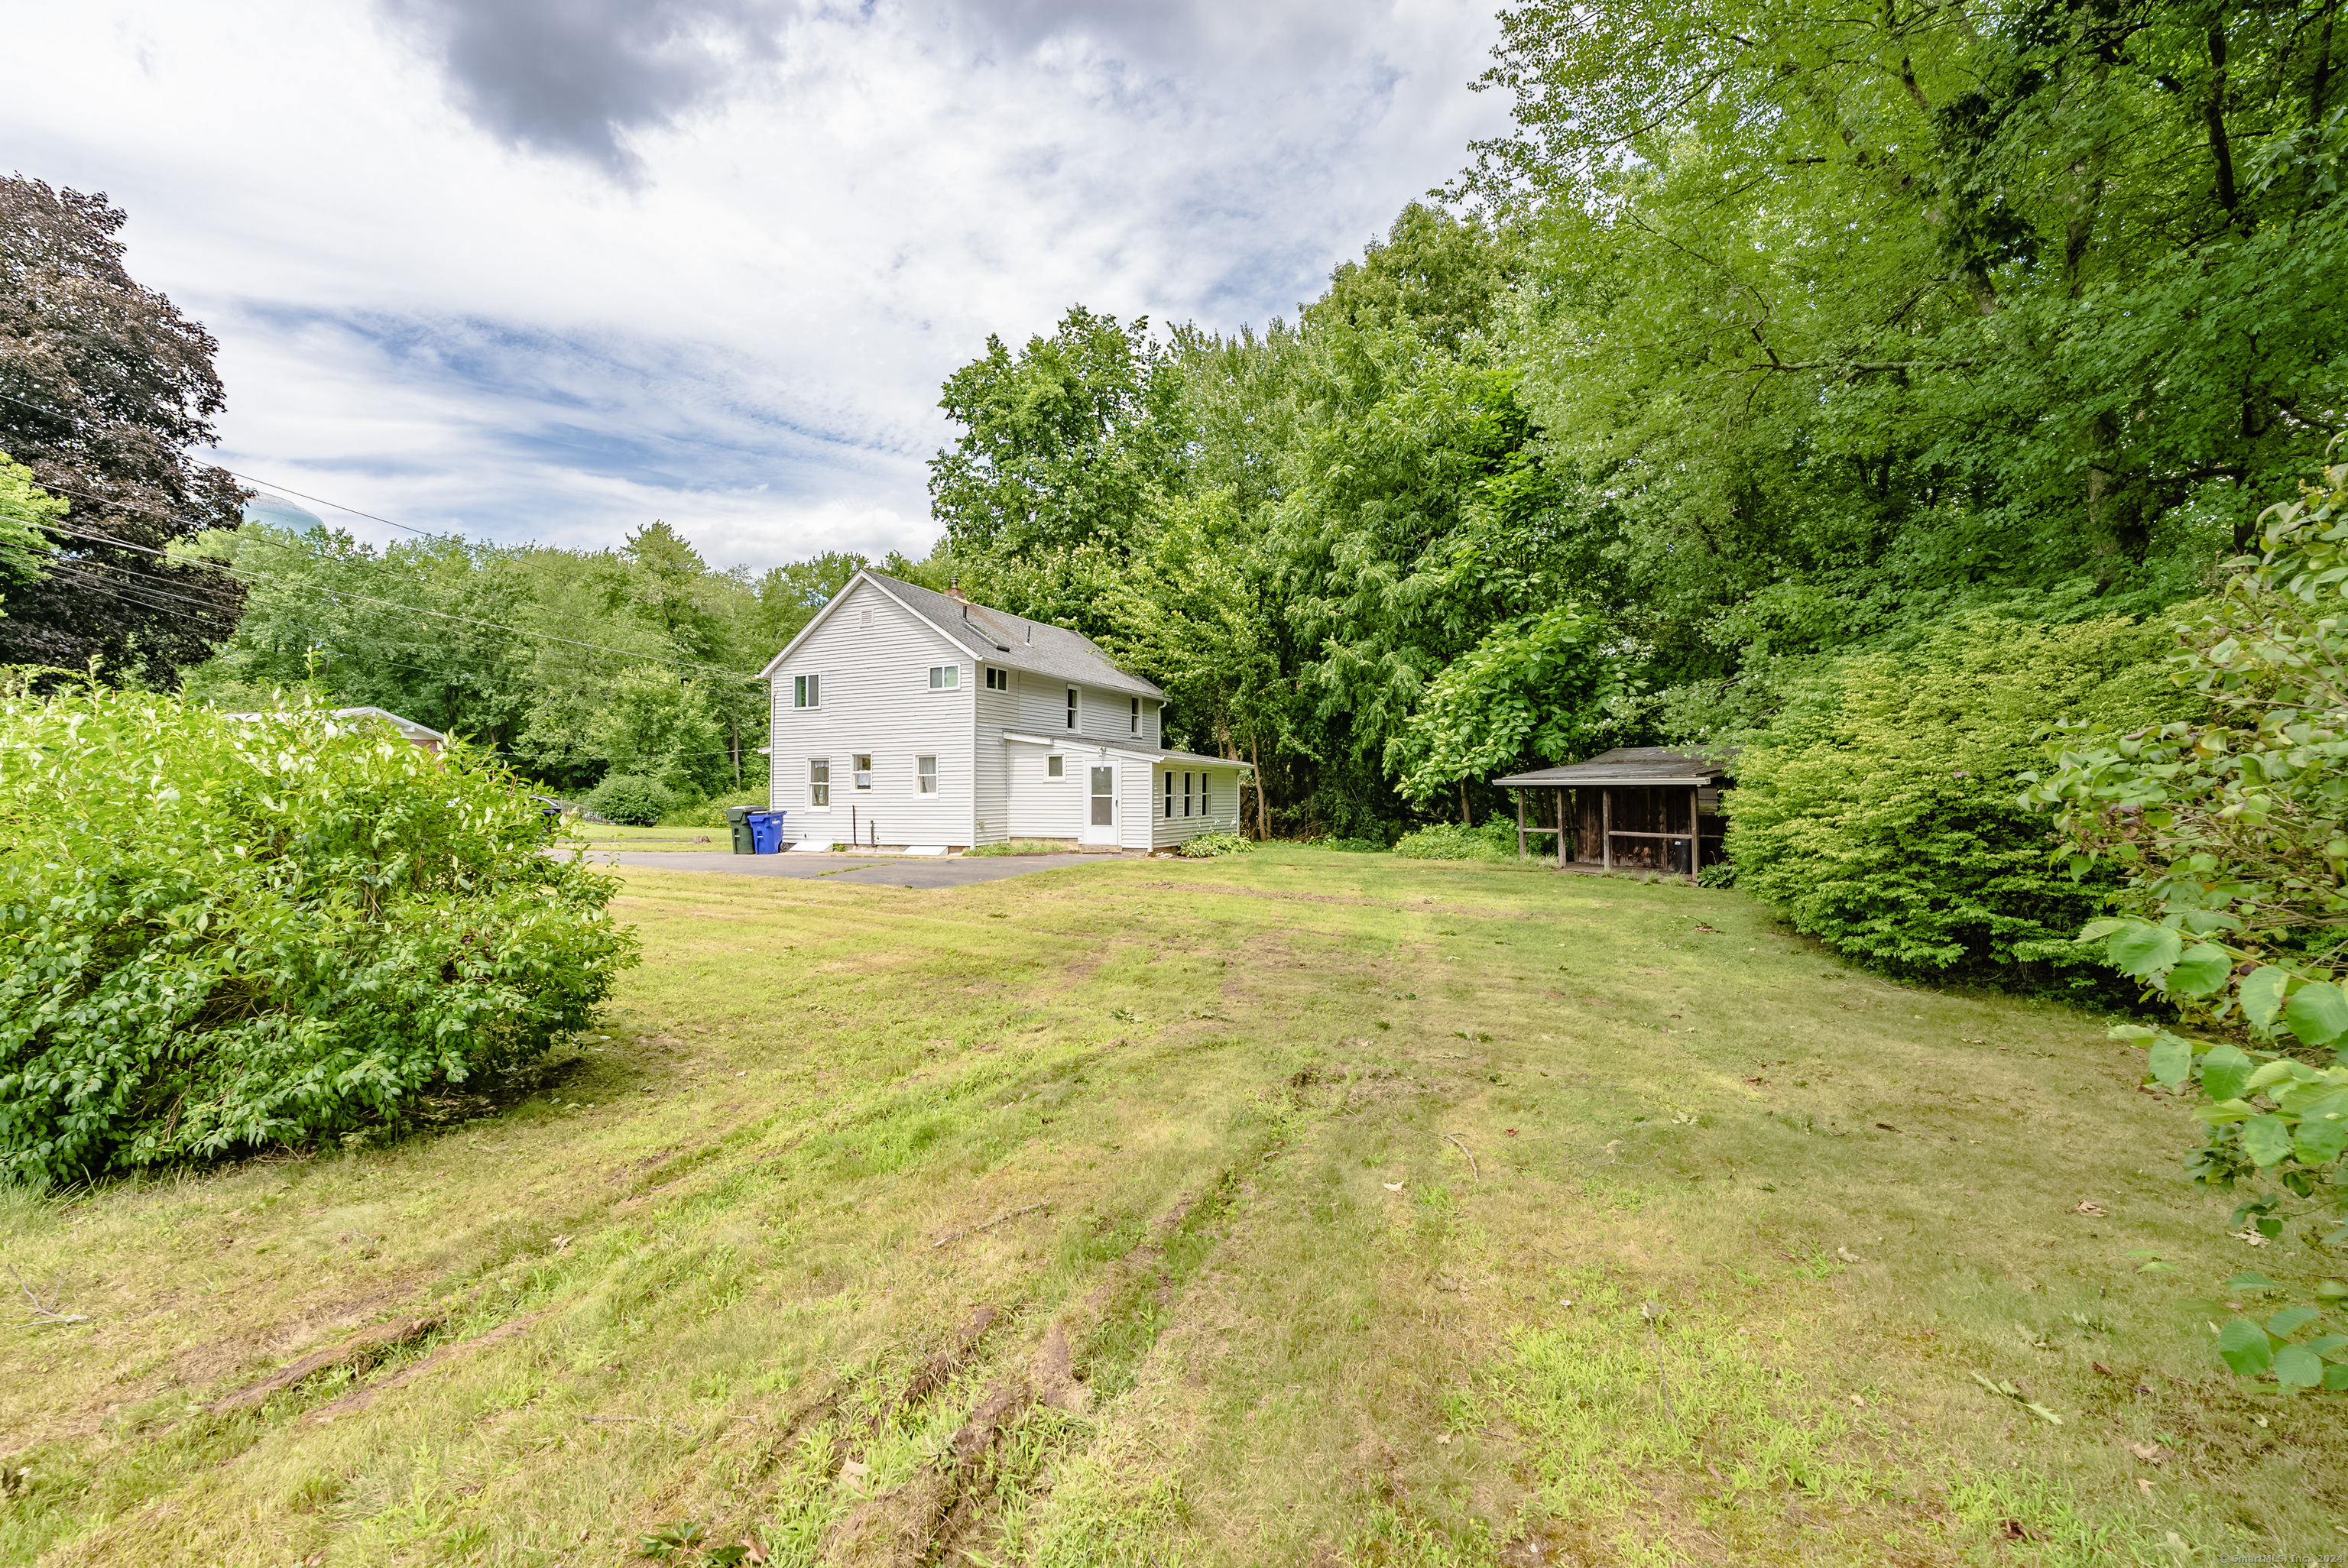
428,739
903,715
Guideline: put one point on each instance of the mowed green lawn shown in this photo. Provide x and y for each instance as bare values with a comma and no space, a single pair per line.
1299,1207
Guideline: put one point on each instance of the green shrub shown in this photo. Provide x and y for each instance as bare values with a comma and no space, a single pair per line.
1023,847
630,798
711,812
1207,845
1349,845
218,935
1496,840
2226,830
1880,811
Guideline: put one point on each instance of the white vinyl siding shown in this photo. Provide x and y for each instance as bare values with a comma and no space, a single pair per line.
1205,801
876,703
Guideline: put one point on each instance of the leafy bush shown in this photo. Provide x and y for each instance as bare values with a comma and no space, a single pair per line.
217,935
1207,845
1879,811
711,812
1350,846
2228,833
1496,840
630,798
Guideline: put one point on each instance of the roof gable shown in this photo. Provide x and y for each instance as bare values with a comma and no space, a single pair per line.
991,636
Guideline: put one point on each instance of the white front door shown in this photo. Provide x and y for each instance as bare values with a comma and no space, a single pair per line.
1100,805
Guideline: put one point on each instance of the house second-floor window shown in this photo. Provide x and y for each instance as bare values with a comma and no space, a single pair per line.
1137,716
1072,707
803,690
925,769
818,780
944,677
997,679
1056,766
862,765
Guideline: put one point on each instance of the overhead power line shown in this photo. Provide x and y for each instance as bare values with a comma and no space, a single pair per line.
255,478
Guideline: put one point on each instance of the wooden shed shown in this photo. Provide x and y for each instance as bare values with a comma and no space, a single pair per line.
1635,807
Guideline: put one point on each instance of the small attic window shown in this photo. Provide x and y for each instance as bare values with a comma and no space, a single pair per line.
864,618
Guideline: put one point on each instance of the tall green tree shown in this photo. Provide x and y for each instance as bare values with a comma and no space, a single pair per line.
1070,442
1867,316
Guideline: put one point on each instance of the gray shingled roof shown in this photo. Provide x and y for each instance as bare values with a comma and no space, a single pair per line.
999,637
1632,765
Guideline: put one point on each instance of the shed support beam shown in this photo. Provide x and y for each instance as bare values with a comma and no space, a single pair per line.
1606,828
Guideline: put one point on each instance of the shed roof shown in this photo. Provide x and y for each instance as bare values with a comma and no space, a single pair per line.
998,637
1632,766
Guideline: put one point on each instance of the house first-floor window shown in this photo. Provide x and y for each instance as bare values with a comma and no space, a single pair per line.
1202,796
1056,766
945,677
1186,794
925,769
818,780
803,690
1169,792
861,763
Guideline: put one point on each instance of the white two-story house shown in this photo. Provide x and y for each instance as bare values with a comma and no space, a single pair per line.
904,716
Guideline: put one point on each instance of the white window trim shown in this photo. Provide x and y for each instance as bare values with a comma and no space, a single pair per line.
813,784
925,784
860,778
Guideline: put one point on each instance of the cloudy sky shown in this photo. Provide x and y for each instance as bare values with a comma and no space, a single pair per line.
548,269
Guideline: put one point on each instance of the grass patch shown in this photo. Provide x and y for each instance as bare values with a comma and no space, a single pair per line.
1302,1156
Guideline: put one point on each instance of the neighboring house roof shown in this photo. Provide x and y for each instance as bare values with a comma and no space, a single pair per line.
415,732
1074,742
1632,766
993,636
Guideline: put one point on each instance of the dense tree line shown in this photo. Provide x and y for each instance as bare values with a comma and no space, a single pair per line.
1769,337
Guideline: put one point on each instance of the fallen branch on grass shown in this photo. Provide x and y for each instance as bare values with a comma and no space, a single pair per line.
43,1314
990,1224
1470,1152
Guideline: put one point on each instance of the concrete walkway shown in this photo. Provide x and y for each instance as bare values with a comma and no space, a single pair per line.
886,871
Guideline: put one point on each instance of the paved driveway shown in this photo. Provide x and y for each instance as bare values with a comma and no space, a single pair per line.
888,871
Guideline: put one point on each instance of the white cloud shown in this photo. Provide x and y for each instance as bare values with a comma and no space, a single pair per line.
721,280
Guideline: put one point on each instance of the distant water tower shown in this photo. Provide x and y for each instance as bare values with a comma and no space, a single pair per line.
280,513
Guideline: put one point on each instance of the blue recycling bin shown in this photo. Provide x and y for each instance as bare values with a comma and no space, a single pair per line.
766,831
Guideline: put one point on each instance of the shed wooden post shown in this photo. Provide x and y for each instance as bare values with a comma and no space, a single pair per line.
1520,823
1561,828
1695,832
1606,828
